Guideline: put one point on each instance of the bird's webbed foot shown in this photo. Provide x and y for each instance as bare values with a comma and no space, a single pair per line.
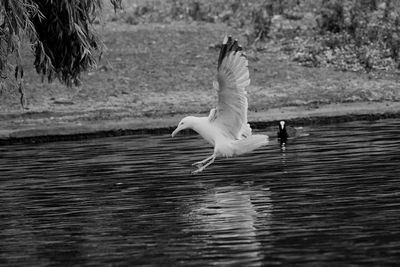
198,170
200,164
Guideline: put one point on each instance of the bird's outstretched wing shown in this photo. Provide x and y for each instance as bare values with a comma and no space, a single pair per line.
232,79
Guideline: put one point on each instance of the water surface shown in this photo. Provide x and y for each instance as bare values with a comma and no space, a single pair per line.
331,198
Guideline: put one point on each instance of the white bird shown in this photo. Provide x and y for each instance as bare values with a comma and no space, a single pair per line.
226,127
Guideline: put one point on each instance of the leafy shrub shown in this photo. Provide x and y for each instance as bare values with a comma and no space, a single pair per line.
369,30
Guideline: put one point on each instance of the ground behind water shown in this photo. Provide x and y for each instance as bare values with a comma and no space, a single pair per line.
151,75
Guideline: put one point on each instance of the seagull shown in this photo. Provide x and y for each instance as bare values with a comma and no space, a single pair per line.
226,127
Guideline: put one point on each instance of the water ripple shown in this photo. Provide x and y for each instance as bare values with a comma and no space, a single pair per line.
331,198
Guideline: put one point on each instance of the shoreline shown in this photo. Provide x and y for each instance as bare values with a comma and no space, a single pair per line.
38,131
146,86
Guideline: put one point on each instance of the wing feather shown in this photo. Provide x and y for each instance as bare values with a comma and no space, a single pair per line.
232,78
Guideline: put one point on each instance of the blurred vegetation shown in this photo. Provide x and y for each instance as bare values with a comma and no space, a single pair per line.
358,35
254,16
355,35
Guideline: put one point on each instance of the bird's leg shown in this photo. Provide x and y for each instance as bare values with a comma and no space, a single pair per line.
212,158
211,116
203,161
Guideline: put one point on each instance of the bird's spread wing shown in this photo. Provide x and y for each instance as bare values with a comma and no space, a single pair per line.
232,79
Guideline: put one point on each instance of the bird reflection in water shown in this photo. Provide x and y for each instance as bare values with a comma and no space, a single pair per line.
231,217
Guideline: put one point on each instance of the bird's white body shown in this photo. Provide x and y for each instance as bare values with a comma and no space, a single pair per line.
226,127
213,135
223,145
206,130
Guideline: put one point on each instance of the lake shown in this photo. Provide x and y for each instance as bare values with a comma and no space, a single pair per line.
331,198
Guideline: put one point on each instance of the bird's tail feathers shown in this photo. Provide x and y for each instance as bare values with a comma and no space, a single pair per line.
249,144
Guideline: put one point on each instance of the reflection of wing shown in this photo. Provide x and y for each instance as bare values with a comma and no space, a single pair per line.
232,78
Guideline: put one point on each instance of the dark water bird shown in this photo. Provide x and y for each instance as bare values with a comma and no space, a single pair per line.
285,131
226,127
282,133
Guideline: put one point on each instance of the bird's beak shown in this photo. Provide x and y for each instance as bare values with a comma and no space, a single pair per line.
177,130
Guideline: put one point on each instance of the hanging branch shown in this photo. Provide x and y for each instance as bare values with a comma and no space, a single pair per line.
15,24
64,41
67,42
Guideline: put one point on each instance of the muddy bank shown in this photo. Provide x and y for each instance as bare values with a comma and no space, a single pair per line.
153,75
36,129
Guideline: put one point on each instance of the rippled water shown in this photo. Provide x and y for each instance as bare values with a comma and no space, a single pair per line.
332,198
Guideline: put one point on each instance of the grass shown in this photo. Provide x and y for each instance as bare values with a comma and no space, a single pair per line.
163,69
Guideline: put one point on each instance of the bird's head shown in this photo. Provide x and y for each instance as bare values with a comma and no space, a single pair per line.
185,123
281,125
